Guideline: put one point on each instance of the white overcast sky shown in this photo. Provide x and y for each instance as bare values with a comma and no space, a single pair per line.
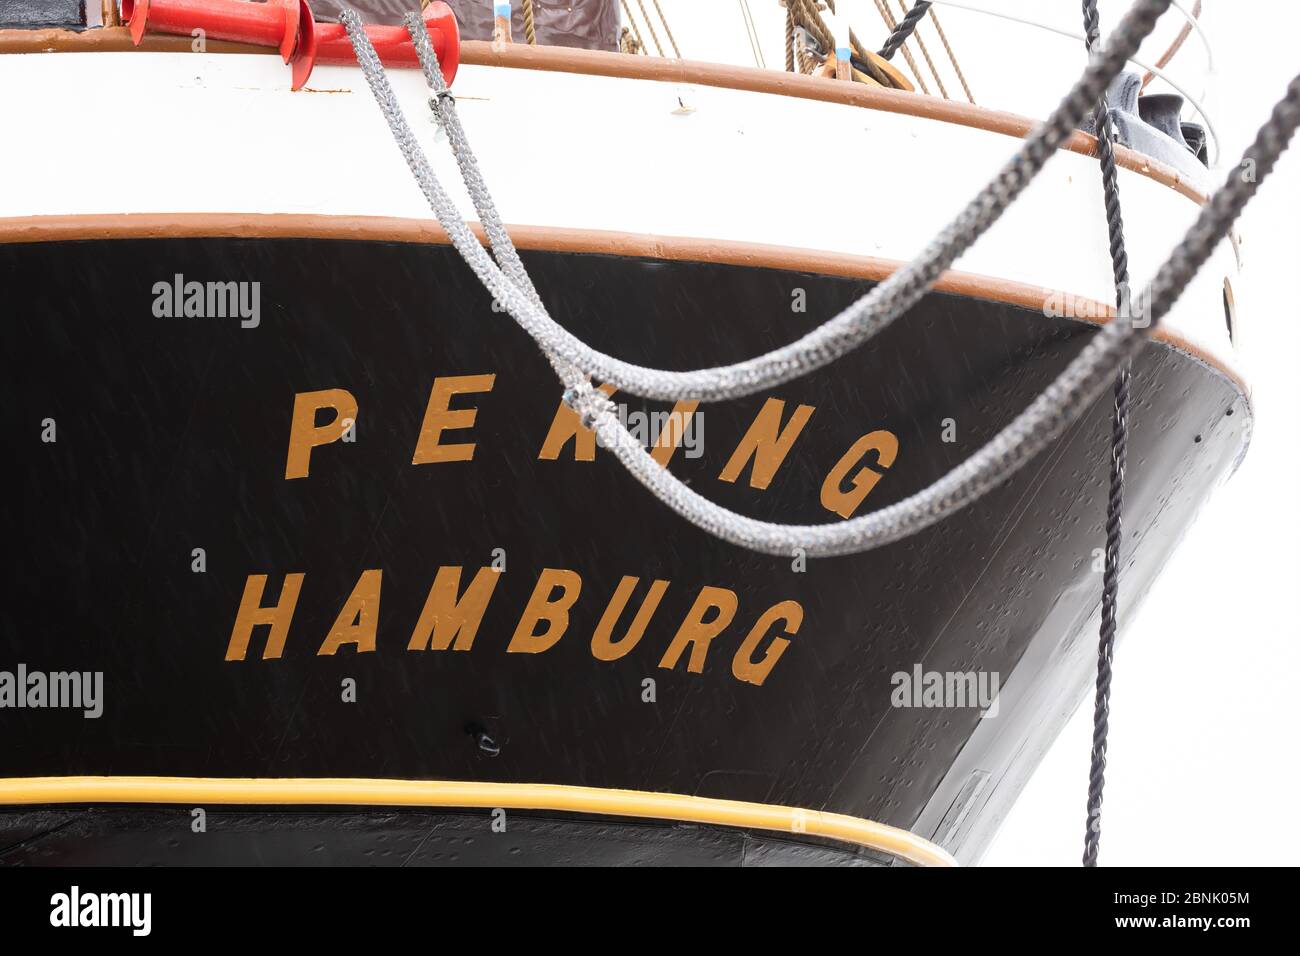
1203,748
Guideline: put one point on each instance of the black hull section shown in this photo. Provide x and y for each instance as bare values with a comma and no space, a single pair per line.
173,435
409,837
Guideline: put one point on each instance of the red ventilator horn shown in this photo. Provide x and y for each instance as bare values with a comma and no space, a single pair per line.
288,25
393,43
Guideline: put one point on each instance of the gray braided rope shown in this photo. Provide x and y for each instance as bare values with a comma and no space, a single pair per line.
1045,418
442,103
891,298
904,30
1118,461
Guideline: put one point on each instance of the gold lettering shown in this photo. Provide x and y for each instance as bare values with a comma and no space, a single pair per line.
697,632
743,665
451,621
603,646
305,434
541,607
357,621
844,502
767,443
439,416
251,613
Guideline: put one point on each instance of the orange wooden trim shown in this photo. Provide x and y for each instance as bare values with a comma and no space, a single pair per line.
781,83
555,239
111,40
600,63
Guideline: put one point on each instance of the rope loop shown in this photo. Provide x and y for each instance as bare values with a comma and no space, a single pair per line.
1062,403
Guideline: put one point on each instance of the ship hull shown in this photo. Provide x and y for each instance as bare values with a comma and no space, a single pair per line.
172,503
135,836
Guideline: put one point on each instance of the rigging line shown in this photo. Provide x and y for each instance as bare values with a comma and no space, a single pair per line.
807,63
758,40
916,35
749,36
815,25
752,35
1069,396
1189,17
808,25
1118,461
758,37
890,22
802,62
1194,19
1192,101
789,38
650,26
820,31
530,23
861,53
961,76
807,17
1183,34
668,30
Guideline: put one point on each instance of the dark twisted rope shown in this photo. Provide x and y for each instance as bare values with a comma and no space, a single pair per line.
905,28
1118,460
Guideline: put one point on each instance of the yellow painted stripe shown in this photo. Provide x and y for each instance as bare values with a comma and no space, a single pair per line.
326,791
